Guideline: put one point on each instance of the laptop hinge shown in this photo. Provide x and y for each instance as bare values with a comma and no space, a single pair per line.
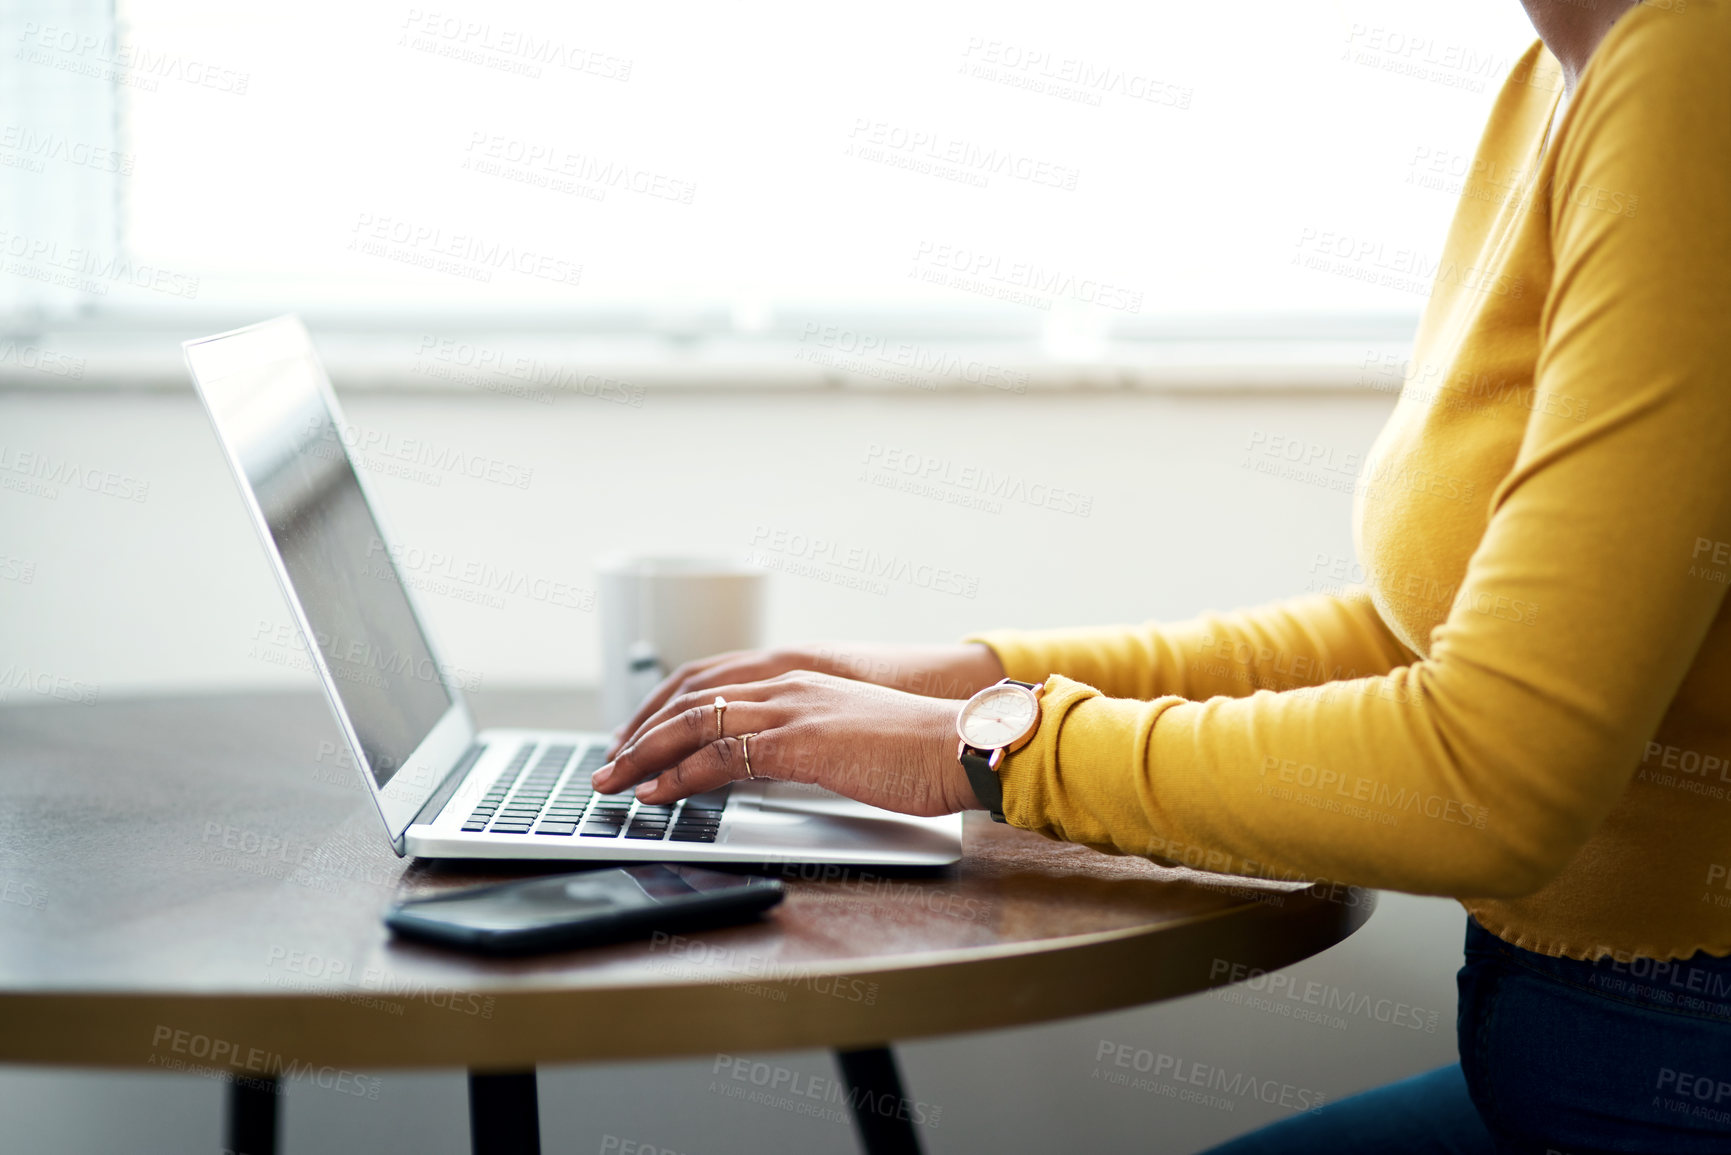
435,804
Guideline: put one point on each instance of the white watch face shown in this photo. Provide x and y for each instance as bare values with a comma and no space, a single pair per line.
997,716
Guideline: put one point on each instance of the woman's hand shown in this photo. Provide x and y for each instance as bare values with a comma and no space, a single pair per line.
955,671
885,747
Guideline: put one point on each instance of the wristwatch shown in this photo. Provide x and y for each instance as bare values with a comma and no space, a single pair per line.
997,721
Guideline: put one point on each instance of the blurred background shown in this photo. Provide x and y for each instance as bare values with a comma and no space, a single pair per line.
1095,306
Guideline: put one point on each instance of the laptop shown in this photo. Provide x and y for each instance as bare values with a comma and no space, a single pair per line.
444,789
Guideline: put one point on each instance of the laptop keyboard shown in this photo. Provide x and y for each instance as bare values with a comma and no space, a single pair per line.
529,798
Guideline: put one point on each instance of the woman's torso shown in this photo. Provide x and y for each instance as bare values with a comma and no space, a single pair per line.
1424,501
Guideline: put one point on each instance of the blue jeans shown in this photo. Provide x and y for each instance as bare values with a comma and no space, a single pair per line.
1558,1057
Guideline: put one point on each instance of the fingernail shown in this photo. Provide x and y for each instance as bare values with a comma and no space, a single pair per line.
595,778
645,790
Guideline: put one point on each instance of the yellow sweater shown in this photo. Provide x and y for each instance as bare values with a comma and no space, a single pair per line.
1528,704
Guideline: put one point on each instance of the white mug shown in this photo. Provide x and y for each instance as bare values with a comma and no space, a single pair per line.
658,612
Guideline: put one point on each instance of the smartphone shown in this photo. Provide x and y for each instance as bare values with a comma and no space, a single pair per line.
584,909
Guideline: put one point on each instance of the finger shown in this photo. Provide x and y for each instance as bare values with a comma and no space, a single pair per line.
683,732
668,687
714,766
720,674
732,668
747,686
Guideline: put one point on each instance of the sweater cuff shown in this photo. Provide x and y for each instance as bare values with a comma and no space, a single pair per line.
1029,774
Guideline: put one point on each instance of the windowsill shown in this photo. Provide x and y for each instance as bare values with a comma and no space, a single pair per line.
545,361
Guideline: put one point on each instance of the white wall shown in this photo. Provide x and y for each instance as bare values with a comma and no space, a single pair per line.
167,594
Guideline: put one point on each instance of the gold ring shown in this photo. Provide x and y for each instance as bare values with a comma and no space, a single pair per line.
745,751
720,708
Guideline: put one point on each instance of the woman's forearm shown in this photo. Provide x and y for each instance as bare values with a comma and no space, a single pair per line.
1304,641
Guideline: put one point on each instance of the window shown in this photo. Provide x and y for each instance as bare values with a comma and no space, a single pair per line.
1074,173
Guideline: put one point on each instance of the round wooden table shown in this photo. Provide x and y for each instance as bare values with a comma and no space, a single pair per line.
196,884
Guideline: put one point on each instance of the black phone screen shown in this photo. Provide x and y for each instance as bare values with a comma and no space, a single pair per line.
594,905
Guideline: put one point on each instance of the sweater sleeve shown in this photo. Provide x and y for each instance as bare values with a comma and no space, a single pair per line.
1481,769
1302,642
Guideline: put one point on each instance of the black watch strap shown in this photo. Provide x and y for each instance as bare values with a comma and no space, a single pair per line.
987,788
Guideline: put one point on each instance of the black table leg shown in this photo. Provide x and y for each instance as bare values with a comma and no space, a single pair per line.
252,1115
504,1118
882,1114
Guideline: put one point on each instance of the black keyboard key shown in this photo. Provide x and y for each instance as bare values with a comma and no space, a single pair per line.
502,785
692,836
565,828
553,760
654,834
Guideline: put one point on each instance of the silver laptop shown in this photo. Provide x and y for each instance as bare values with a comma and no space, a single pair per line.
442,788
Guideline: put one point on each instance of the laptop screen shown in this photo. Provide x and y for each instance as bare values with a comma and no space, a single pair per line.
271,410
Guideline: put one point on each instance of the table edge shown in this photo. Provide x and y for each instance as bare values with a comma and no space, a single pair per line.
899,997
